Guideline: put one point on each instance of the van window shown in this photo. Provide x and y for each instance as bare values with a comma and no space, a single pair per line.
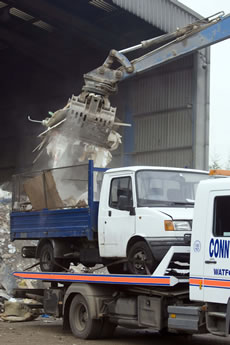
120,186
221,224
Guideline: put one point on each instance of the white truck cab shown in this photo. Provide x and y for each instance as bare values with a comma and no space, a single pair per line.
210,281
143,211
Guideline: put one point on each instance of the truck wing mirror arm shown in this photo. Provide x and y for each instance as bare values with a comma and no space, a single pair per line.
125,205
132,211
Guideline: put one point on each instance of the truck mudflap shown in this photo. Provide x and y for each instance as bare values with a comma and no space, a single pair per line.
100,278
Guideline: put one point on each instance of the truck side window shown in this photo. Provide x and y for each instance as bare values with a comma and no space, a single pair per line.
120,186
221,226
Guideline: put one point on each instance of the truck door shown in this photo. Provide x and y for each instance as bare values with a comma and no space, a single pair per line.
118,223
217,249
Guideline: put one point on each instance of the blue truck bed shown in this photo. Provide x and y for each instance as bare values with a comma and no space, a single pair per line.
58,223
79,222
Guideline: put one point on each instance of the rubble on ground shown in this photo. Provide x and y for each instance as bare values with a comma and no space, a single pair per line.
16,310
7,280
10,252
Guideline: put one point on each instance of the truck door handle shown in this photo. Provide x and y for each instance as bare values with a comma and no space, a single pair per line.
210,262
110,213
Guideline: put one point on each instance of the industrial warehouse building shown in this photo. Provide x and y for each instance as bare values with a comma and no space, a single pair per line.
45,48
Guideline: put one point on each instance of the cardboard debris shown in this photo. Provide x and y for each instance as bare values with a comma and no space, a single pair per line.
41,197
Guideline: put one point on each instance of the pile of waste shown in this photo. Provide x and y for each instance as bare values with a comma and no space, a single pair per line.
10,252
14,309
7,249
11,309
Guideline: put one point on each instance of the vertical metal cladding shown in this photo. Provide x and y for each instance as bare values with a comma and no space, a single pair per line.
162,110
163,101
158,132
179,158
167,15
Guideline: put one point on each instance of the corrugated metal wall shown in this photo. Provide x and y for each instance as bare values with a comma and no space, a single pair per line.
168,106
163,116
159,106
167,15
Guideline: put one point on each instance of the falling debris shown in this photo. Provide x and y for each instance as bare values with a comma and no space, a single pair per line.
78,132
83,130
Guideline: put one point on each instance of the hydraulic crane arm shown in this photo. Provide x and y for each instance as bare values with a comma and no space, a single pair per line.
91,111
205,36
193,37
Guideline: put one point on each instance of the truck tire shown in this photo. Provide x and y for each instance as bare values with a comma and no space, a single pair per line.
81,323
47,261
140,259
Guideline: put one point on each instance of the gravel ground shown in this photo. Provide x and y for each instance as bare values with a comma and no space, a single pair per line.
49,332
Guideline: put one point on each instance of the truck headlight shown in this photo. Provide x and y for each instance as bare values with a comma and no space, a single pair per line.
177,225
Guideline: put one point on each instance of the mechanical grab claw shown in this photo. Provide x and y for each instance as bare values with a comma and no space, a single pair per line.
91,110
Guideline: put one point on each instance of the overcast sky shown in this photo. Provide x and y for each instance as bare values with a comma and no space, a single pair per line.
219,84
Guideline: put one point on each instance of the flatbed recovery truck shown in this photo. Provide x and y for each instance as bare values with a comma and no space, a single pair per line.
175,298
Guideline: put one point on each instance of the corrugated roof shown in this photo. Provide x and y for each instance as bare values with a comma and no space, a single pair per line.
167,15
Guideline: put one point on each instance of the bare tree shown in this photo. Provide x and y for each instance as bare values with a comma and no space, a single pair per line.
215,163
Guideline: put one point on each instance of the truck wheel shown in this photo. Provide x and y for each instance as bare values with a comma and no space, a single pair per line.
47,261
81,323
140,259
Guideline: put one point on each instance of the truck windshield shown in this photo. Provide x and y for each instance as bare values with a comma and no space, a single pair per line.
167,188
